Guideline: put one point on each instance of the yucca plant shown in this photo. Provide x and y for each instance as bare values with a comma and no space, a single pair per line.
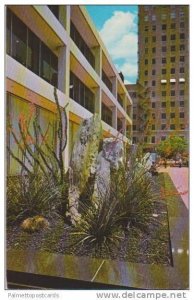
98,229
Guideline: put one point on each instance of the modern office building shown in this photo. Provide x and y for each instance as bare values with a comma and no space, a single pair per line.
163,64
58,45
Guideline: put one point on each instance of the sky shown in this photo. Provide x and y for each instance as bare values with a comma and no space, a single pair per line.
117,26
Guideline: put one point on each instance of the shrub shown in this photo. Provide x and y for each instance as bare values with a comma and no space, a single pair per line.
98,228
30,195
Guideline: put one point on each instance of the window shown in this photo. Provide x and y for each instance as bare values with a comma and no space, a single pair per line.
146,72
172,59
153,116
173,37
163,71
153,104
134,127
164,94
163,104
163,116
119,125
173,48
181,115
163,48
172,127
146,28
182,70
153,139
153,61
154,39
172,104
163,60
19,40
8,31
81,44
106,80
145,82
163,138
154,27
120,100
182,126
163,126
163,26
81,93
172,71
146,50
153,17
163,16
181,13
182,25
27,49
182,58
146,61
146,39
153,72
145,18
153,94
172,115
153,82
154,50
182,92
153,127
173,15
135,139
163,38
106,114
145,139
182,47
134,116
55,10
181,103
172,93
173,25
182,36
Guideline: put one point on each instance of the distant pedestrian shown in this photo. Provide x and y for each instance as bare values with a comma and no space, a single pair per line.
180,162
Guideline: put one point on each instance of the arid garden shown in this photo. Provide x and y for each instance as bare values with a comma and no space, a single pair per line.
106,206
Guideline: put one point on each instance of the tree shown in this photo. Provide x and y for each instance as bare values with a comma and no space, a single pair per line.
172,146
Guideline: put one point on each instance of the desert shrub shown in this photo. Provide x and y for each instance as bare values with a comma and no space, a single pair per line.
30,195
98,228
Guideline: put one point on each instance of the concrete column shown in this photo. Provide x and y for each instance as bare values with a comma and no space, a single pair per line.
124,123
97,51
64,70
114,86
68,18
98,100
114,117
124,102
62,15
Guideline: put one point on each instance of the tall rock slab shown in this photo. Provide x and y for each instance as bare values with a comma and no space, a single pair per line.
83,161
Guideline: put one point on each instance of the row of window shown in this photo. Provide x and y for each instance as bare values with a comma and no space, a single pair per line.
106,114
164,49
106,80
163,115
164,26
172,59
163,61
172,104
164,71
24,46
135,140
164,127
164,16
153,82
81,44
164,38
81,93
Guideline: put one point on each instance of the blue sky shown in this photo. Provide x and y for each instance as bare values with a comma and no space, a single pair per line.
117,25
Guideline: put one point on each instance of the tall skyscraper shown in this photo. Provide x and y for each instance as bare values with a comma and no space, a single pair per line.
163,45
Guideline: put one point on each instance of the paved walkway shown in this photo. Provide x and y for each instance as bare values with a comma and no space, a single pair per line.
180,178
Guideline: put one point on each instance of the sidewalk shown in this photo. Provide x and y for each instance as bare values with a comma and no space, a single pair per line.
180,178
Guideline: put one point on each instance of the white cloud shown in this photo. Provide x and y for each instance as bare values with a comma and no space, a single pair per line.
119,36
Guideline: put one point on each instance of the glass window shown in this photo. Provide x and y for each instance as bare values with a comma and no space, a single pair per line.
163,16
163,126
45,63
153,72
153,94
163,115
173,26
182,92
182,25
163,71
172,104
163,138
55,10
182,47
153,61
153,82
146,39
153,104
154,50
172,70
134,127
181,115
181,103
163,26
145,18
172,126
135,139
154,27
173,48
172,93
106,80
153,127
154,39
106,114
19,40
182,58
163,104
164,94
153,139
172,59
163,38
33,52
173,15
182,70
134,116
172,115
173,37
8,31
153,17
164,49
163,60
146,50
146,28
146,61
146,72
182,36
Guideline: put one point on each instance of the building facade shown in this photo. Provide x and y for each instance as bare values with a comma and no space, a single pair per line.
163,64
58,45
